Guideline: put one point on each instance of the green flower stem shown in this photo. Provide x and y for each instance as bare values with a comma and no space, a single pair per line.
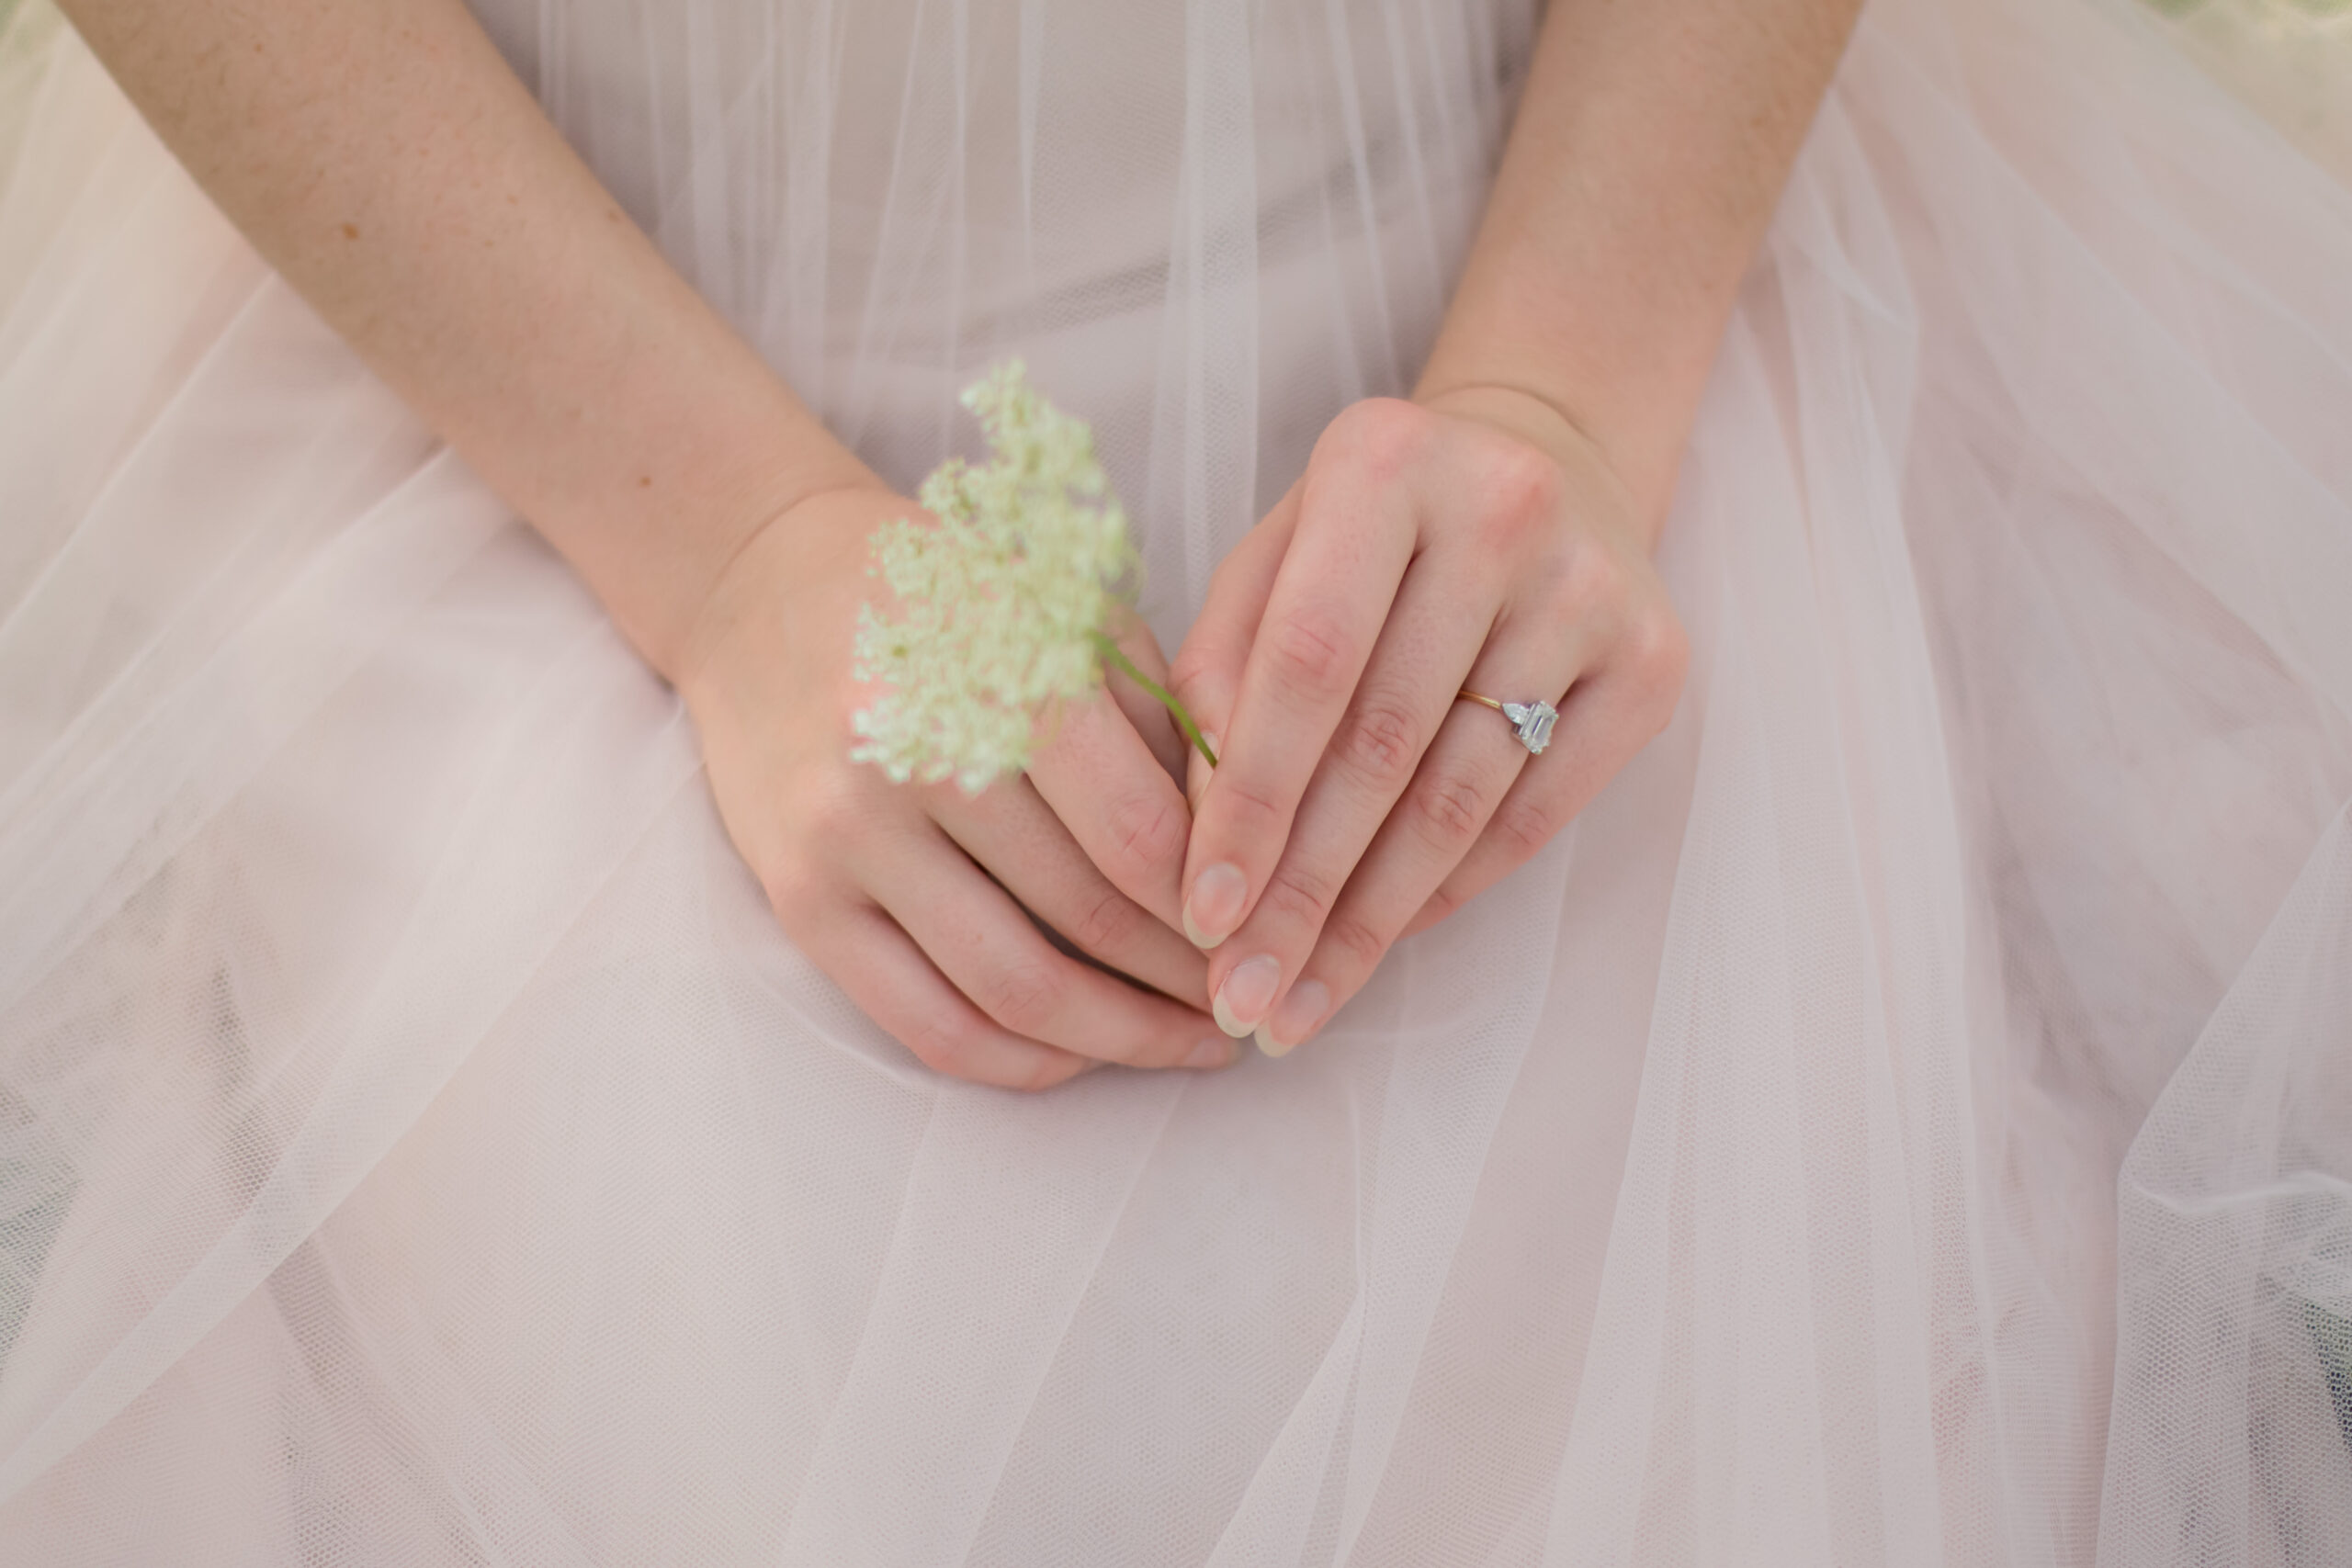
1118,656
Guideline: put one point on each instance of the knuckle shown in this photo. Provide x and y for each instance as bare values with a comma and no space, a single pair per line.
1300,893
1658,651
1358,946
1502,534
1520,491
1448,809
1025,996
1126,1049
1588,579
1309,652
1380,437
1146,834
1249,808
1523,827
1108,925
794,895
836,809
1192,665
944,1045
1050,1072
1381,741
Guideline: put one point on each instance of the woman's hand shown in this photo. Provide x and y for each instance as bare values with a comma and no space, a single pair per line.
916,900
1481,542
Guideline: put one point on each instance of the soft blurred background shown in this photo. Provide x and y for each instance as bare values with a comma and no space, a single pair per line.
2291,59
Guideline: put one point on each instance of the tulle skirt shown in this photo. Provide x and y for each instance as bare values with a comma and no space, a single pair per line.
1907,1119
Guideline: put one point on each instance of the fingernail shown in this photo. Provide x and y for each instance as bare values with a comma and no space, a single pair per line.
1213,1052
1295,1018
1214,907
1246,995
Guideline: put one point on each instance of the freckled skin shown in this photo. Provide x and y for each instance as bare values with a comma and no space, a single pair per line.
399,119
505,295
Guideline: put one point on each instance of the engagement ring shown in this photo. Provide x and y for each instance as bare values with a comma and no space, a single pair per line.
1532,722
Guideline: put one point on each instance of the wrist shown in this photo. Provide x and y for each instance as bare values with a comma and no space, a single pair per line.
659,549
815,537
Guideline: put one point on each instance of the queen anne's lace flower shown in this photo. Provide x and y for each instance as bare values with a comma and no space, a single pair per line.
1001,604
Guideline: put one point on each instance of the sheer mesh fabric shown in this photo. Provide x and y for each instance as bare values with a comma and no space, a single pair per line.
1907,1119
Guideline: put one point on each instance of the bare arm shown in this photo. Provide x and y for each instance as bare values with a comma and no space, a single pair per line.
1645,161
383,157
1496,532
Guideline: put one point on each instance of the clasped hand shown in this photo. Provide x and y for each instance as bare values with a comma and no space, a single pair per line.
1478,541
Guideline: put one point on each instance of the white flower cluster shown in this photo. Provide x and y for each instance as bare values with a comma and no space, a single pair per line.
1000,601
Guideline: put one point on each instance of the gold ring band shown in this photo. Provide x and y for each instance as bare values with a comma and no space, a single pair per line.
1531,722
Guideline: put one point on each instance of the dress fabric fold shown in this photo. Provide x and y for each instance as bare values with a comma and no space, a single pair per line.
1906,1120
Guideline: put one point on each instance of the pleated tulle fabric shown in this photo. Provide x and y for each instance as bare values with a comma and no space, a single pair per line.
1908,1120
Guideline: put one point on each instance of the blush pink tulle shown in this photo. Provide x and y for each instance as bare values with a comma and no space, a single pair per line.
1906,1120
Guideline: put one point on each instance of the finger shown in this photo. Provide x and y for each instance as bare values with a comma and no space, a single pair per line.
1118,801
983,943
1207,675
1354,537
1608,716
1020,840
887,975
1434,634
1145,713
1463,779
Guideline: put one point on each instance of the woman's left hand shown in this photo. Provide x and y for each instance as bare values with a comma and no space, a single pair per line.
1478,542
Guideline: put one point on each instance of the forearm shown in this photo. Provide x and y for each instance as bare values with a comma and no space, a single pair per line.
1649,150
380,154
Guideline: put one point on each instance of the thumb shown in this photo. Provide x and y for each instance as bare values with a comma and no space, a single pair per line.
1207,674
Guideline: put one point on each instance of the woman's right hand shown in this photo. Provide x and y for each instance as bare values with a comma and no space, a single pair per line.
916,900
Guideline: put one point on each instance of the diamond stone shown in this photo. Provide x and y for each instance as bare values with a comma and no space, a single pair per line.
1533,722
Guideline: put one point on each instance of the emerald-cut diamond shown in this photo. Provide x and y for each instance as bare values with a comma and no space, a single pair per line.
1533,722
